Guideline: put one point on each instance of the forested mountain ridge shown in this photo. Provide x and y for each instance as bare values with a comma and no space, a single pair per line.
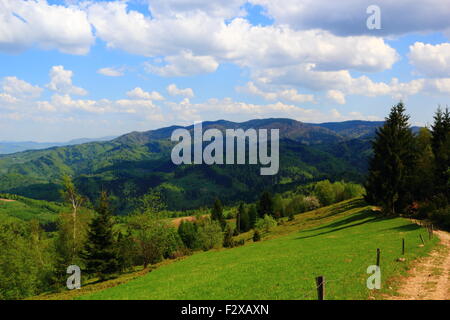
131,164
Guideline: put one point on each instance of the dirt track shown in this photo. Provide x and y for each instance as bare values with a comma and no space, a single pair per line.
430,277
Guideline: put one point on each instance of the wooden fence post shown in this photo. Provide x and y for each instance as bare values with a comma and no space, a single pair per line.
421,238
320,283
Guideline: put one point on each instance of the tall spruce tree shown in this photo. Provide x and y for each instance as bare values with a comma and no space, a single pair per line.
440,143
217,213
100,251
245,220
252,216
266,205
239,214
391,169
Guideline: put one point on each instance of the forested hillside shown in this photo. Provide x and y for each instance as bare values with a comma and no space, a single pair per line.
132,164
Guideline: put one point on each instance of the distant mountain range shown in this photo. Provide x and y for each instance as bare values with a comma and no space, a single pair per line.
8,147
129,165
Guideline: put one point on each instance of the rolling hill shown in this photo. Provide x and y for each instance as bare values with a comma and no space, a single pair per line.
338,242
131,164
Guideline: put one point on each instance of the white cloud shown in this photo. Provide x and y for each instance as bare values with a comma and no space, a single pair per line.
336,96
290,95
184,64
138,93
431,60
213,109
65,103
61,82
110,72
173,90
222,9
7,99
208,40
24,24
19,88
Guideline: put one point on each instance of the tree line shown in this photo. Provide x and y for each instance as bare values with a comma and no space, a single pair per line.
409,173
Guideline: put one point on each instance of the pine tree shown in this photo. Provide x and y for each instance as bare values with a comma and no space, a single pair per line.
440,143
228,241
245,220
100,250
266,205
424,181
392,166
217,213
239,214
252,216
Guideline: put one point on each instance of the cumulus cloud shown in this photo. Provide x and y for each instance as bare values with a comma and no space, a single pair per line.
15,87
290,95
336,96
24,24
223,9
173,90
184,64
207,40
431,60
110,72
138,93
61,82
214,109
65,103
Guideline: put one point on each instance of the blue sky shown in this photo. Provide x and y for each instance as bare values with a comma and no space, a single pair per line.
72,69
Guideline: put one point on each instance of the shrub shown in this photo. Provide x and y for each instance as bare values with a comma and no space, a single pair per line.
209,234
187,231
256,236
265,224
325,192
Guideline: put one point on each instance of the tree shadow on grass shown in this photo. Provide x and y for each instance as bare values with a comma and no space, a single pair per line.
405,228
357,203
358,219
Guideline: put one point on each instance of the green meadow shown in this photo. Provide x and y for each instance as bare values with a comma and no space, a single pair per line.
338,242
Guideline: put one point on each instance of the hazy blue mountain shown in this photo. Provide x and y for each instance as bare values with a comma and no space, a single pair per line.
9,147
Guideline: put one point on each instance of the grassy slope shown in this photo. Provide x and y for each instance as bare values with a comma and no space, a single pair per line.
338,242
28,209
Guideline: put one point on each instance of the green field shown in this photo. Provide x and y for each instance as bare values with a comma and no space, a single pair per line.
29,209
338,242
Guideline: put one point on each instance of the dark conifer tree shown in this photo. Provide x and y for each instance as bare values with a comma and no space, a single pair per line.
266,205
245,220
392,166
440,143
217,213
188,234
228,241
252,216
100,251
239,214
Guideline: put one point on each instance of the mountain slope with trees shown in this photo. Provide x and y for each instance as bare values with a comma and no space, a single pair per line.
132,164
